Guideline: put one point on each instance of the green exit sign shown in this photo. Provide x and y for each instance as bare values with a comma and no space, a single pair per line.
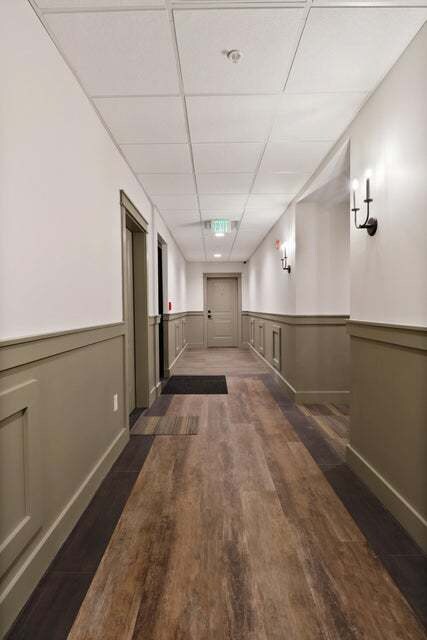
221,226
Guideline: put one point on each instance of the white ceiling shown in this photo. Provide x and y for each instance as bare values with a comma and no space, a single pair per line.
208,138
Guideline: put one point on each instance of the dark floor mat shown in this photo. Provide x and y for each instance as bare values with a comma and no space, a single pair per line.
196,385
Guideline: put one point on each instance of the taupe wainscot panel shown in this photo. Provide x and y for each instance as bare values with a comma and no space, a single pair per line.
310,354
21,470
174,346
59,436
276,355
260,325
195,327
388,430
153,358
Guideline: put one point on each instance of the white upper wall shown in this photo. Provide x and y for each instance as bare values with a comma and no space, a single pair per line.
323,258
270,289
195,271
388,271
60,176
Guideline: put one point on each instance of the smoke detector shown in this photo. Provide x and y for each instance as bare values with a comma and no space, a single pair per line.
234,55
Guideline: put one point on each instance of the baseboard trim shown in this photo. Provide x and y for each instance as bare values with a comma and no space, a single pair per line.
155,393
287,385
305,397
414,523
319,397
194,346
29,575
169,371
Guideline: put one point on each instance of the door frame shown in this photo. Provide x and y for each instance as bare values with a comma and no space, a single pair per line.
163,246
132,219
237,276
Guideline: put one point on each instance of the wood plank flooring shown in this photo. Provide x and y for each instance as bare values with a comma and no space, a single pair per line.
219,362
237,533
333,421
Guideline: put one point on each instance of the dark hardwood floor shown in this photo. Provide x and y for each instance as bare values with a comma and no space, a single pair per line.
252,529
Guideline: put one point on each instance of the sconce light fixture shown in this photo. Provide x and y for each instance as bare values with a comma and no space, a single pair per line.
284,259
370,224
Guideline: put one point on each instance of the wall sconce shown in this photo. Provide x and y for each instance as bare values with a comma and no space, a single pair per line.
370,224
284,259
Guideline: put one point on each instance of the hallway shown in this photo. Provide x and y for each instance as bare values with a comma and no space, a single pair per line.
213,320
237,532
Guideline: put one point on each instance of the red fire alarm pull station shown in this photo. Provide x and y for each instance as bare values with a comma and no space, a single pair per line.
170,306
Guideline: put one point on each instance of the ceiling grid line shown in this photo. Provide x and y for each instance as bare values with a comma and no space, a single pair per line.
187,124
298,40
250,135
39,14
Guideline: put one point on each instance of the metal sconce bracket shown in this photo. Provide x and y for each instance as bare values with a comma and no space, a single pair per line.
285,265
370,224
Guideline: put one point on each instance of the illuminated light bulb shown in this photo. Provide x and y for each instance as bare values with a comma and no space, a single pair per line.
217,255
219,235
355,185
368,173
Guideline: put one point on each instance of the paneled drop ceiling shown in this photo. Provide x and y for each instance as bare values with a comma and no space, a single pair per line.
208,138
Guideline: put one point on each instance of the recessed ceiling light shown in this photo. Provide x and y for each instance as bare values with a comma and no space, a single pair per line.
219,235
217,255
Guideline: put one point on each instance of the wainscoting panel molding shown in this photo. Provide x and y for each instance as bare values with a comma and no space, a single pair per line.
153,359
309,354
174,345
195,330
388,434
21,467
276,348
260,336
59,436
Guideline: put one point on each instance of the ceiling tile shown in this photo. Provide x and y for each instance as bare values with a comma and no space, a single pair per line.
223,204
270,183
262,219
208,214
238,256
266,38
231,118
219,245
245,245
294,156
179,219
165,184
175,202
194,256
231,157
144,119
224,183
95,4
118,52
351,48
158,158
268,201
186,237
319,116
